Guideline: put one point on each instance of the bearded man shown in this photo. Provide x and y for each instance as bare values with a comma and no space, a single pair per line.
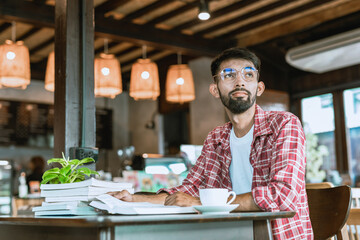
258,154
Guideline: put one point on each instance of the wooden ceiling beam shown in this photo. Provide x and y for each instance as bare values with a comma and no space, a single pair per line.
42,45
149,54
101,48
145,35
219,13
170,14
28,33
126,51
294,24
4,26
43,16
109,5
145,10
276,17
242,17
40,15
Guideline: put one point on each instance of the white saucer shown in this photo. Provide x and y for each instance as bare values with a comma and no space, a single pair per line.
224,209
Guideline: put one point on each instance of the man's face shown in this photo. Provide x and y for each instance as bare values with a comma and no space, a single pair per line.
239,94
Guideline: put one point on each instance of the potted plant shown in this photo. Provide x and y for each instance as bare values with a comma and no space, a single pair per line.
70,171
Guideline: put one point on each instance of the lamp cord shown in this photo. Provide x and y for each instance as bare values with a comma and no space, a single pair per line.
179,57
106,45
13,31
144,51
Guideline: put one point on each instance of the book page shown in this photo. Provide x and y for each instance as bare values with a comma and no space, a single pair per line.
114,202
114,205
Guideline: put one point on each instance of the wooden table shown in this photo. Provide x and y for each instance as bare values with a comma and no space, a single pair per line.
247,225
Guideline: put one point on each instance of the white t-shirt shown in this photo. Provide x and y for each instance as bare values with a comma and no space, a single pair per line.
241,171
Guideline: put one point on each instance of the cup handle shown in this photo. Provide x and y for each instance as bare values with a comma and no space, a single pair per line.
233,198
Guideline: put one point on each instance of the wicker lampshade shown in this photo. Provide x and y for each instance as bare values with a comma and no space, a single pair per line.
108,82
144,81
50,73
14,65
179,84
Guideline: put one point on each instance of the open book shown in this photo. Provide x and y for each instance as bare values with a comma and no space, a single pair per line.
115,206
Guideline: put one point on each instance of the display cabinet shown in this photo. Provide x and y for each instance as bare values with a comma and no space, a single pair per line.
6,170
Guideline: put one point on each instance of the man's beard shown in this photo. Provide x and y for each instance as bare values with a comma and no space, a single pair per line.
239,104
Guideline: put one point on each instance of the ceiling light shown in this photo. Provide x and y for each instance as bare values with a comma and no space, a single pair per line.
144,80
204,10
179,83
14,63
107,74
50,73
108,82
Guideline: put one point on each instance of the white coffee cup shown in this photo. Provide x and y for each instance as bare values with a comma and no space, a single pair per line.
216,196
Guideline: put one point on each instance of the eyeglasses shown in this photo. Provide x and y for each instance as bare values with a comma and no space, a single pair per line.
229,75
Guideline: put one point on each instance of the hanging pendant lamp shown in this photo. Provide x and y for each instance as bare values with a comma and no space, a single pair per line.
108,82
14,63
144,80
50,73
179,83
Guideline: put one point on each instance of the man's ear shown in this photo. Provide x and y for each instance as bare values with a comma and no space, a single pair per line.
213,89
260,88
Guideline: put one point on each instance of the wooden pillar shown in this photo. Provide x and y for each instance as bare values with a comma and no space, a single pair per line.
74,75
340,133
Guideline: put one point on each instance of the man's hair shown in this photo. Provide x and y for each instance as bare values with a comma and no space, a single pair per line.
234,53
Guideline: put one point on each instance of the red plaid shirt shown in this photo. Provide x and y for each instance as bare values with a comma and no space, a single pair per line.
278,159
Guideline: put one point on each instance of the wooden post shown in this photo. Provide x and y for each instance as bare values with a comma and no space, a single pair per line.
74,124
341,141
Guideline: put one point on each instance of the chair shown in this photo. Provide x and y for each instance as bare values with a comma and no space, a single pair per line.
355,197
353,222
329,209
319,185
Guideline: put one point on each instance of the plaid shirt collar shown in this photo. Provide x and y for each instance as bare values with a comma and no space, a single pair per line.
261,127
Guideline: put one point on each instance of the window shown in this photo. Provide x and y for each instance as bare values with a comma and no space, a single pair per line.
318,119
352,122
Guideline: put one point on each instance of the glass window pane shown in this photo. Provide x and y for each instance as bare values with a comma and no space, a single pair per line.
318,120
352,122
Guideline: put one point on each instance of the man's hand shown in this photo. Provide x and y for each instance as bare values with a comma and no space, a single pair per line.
124,195
182,199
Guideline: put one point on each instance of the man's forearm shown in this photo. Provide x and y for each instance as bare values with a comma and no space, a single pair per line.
153,198
246,203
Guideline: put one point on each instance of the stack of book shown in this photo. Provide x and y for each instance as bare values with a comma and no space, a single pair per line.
74,198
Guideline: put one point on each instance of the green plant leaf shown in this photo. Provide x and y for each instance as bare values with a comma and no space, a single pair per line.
86,160
74,161
58,160
51,171
55,181
63,179
84,170
49,177
94,172
65,170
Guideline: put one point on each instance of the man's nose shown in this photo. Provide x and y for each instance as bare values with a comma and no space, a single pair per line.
239,80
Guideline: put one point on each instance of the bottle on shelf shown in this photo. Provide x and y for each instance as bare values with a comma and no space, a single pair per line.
23,188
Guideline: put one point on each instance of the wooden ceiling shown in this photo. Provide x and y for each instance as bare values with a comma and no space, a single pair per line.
268,27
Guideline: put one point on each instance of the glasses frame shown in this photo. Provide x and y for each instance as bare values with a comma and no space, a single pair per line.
242,71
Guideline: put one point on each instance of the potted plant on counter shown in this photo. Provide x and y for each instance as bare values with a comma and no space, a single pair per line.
71,171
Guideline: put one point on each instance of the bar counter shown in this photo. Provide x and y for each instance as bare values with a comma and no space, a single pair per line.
245,225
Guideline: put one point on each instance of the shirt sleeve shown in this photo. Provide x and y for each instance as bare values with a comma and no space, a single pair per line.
195,177
286,178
